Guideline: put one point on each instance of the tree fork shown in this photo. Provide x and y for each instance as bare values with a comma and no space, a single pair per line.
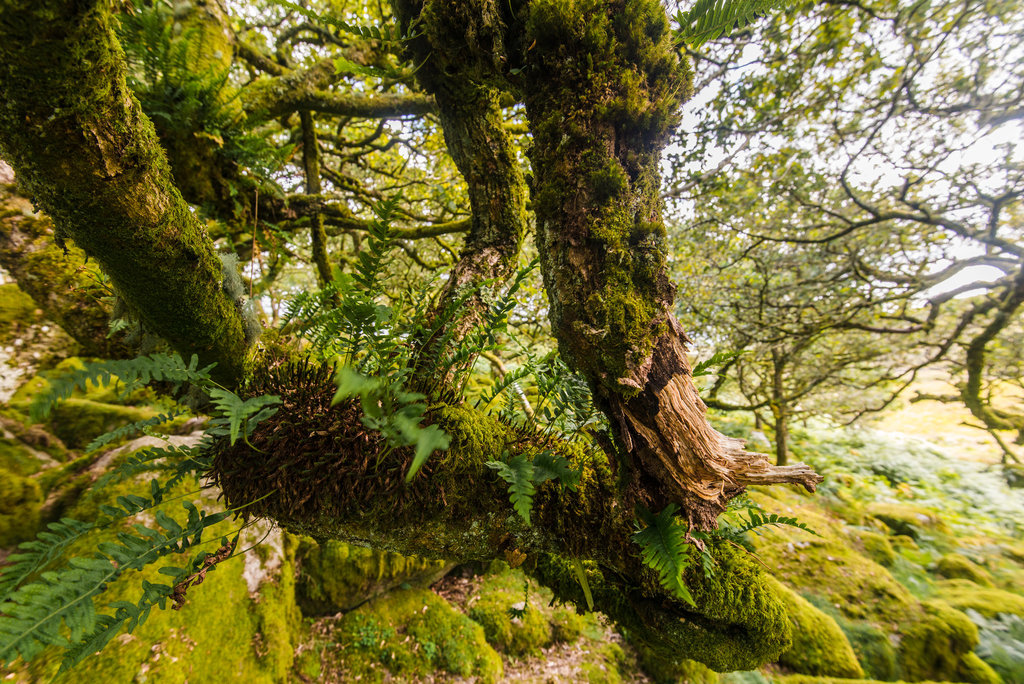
79,142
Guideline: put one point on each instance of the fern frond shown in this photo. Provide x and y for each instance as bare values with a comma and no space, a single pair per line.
709,19
518,473
131,373
761,519
381,33
36,554
132,429
664,549
717,360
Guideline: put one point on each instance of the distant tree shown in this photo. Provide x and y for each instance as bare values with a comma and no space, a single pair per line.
880,142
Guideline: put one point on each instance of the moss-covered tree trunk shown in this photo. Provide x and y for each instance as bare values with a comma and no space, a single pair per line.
602,85
79,143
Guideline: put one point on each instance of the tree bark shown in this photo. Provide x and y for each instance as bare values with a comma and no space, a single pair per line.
602,86
80,144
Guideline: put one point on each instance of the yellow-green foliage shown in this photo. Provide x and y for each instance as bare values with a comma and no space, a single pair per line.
964,594
819,646
605,664
336,576
955,566
20,499
566,625
906,519
934,642
408,634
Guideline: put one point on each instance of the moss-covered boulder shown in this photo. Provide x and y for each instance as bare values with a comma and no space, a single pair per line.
906,519
956,566
20,500
877,547
408,634
819,645
935,642
17,310
671,670
510,623
964,594
336,577
874,649
79,421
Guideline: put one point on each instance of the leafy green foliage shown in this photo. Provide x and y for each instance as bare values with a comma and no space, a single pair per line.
756,520
37,613
709,19
131,429
518,472
240,414
129,374
381,33
664,549
717,360
524,475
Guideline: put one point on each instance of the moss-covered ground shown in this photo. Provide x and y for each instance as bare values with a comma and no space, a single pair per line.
915,573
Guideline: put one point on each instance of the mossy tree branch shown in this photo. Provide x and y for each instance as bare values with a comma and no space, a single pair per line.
602,85
319,472
81,146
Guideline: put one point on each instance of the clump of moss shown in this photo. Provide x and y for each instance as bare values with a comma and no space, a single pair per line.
873,648
335,576
963,595
16,309
78,421
665,670
955,566
906,519
410,633
606,665
819,645
20,500
975,670
510,623
934,642
877,546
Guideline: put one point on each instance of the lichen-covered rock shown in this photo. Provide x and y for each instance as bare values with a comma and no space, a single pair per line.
955,566
335,576
407,634
963,594
819,645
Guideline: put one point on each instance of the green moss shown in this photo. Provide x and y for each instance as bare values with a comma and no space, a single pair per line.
409,633
17,310
877,546
516,635
873,648
335,576
806,679
955,566
906,519
20,500
606,665
566,625
662,669
17,457
934,642
819,645
78,421
963,595
975,670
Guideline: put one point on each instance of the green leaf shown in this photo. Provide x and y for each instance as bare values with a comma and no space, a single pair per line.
581,577
664,549
518,472
430,439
